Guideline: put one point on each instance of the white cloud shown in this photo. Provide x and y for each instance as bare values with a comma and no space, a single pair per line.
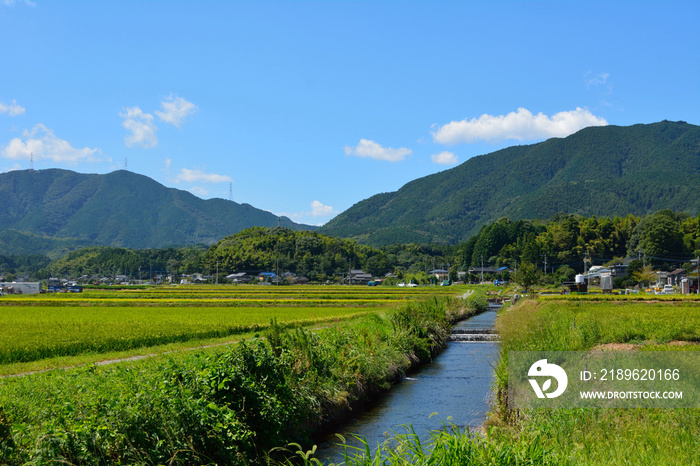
175,110
14,167
521,125
372,150
141,127
444,158
13,2
42,143
597,80
199,191
320,210
11,109
192,176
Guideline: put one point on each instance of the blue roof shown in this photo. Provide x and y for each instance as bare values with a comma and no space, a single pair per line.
501,269
268,274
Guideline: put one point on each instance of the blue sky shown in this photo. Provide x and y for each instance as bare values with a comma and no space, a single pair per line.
306,108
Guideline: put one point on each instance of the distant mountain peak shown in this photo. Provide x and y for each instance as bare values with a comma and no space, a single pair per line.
121,208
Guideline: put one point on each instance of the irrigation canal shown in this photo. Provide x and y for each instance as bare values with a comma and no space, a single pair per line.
456,386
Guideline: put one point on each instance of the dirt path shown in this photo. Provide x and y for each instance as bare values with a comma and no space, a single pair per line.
106,362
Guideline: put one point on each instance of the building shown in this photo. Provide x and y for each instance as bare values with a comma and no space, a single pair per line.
618,270
595,273
267,277
359,277
674,278
21,287
440,274
239,278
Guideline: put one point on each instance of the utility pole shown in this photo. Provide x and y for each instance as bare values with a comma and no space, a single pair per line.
545,263
585,268
217,271
482,269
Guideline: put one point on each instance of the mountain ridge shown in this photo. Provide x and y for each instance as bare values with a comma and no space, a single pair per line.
120,208
596,171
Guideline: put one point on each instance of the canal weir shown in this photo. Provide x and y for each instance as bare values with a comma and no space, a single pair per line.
473,334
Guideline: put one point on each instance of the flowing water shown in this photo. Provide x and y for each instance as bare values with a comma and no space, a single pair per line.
456,385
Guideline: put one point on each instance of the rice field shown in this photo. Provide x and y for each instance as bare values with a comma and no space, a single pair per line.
226,405
97,321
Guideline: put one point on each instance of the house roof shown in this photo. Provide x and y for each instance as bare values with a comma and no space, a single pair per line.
597,271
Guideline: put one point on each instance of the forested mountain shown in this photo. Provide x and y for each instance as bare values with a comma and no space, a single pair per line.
117,209
604,171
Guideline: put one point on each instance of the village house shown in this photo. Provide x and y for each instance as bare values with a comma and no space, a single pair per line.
239,278
358,277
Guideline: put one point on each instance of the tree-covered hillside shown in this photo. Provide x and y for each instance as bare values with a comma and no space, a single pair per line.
665,239
603,171
119,209
105,261
303,252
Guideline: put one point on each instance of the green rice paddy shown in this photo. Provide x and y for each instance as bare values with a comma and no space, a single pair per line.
38,327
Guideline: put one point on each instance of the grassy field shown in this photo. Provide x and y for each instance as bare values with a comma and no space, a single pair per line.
604,436
110,322
224,405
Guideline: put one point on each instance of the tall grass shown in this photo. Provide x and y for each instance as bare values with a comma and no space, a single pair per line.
600,436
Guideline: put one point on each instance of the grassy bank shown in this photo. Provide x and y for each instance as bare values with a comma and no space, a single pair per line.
225,406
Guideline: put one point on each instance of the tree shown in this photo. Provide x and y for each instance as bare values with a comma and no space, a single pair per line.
645,276
564,274
528,274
